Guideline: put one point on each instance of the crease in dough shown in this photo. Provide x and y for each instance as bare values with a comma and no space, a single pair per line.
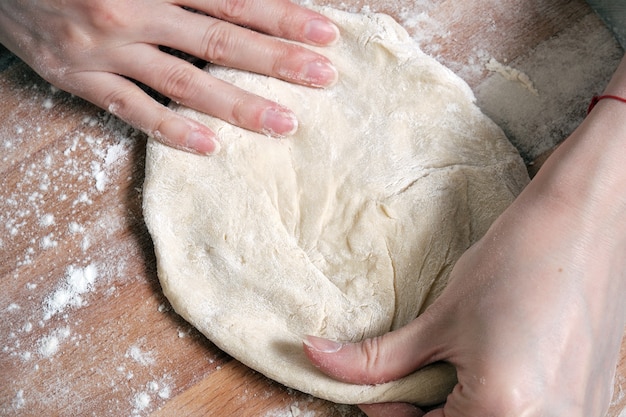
347,230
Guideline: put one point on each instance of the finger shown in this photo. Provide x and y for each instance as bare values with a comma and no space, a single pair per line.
379,359
127,101
391,410
225,44
189,85
280,18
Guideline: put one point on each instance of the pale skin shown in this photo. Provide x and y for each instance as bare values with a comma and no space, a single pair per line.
534,313
94,48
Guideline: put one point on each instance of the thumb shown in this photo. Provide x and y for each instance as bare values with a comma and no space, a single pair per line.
378,359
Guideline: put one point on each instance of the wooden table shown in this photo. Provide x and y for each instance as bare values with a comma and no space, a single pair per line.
85,329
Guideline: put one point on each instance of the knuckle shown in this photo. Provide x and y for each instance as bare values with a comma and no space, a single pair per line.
217,42
118,102
122,103
50,67
288,59
107,15
248,110
237,111
373,355
286,24
178,83
233,9
240,109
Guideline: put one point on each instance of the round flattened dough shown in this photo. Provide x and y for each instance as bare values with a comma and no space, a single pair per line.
347,230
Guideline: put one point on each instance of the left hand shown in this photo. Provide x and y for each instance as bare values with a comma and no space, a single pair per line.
94,48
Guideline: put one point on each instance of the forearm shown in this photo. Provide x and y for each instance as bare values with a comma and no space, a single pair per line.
588,171
578,200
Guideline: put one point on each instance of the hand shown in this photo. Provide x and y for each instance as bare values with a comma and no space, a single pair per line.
92,49
532,319
534,312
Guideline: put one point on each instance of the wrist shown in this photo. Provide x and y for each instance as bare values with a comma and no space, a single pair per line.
587,174
617,84
577,200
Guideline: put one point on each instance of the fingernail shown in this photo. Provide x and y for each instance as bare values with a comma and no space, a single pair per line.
202,143
279,122
320,74
321,32
322,345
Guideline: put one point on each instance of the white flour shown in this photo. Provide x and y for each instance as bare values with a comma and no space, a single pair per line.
38,334
562,79
48,345
76,283
139,356
43,327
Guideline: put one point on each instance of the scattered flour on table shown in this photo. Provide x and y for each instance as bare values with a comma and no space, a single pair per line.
48,345
525,116
141,401
532,113
19,401
70,293
43,327
153,390
139,356
46,220
58,175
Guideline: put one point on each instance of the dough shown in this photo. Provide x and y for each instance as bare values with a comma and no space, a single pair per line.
347,230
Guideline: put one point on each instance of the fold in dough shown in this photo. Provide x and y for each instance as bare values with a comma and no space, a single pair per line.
346,230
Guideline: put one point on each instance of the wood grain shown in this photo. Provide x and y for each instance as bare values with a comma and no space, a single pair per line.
70,200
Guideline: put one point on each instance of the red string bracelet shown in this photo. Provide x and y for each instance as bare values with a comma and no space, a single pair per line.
596,99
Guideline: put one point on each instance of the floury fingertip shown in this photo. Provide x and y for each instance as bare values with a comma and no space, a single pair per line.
201,143
279,122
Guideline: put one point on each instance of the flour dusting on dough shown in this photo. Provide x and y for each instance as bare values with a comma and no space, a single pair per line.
347,230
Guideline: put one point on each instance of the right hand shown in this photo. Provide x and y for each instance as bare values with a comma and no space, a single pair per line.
532,319
93,49
533,314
